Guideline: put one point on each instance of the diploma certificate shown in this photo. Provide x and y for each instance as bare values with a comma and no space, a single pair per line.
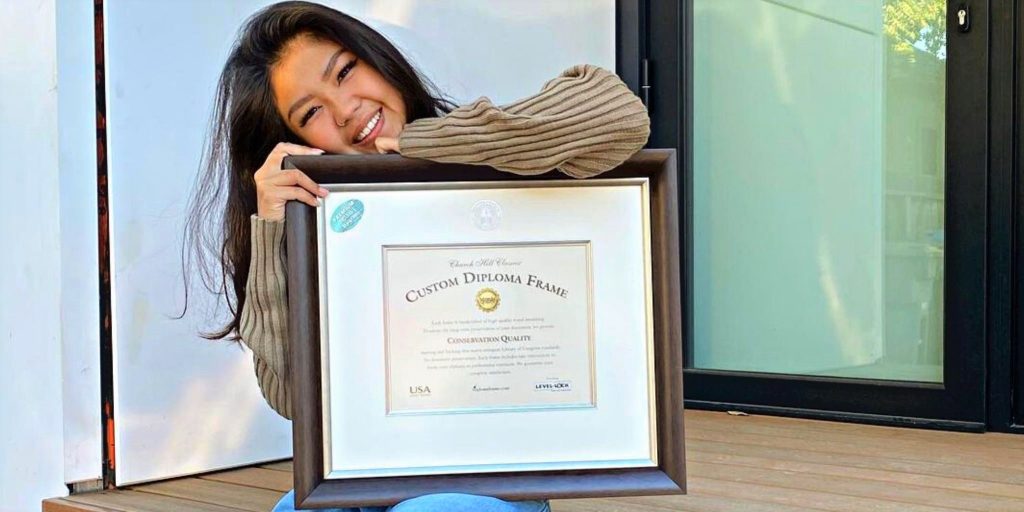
486,327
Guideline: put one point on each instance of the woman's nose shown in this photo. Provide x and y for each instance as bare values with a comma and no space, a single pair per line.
344,110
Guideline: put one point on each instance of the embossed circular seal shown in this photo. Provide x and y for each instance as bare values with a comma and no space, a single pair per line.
487,300
486,214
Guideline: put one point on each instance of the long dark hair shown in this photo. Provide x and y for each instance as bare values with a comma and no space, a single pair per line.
245,126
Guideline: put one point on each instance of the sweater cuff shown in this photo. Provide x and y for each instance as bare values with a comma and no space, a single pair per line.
266,236
263,326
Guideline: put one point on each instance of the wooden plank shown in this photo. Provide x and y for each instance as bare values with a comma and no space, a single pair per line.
998,456
861,461
599,505
704,503
949,476
966,439
890,450
62,505
224,494
855,487
285,465
254,477
741,445
133,501
998,451
802,498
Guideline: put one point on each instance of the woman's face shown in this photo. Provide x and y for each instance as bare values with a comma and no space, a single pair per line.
333,100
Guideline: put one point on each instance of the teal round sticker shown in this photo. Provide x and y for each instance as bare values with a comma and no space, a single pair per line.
347,215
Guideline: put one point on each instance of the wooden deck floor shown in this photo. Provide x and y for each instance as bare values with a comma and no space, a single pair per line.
734,463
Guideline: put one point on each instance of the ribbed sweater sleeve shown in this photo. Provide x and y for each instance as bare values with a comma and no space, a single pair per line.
264,323
583,122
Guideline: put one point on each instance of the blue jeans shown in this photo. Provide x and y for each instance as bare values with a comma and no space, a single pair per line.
441,502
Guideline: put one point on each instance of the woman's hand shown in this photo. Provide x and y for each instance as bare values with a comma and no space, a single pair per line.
276,186
386,145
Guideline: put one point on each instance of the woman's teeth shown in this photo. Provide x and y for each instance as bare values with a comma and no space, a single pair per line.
368,128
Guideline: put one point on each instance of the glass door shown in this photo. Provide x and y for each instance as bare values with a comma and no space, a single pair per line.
835,160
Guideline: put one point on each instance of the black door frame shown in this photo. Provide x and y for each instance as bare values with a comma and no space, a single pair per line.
1016,164
630,43
1006,350
1000,323
981,154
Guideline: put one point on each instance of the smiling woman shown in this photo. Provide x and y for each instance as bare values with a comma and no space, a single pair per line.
305,79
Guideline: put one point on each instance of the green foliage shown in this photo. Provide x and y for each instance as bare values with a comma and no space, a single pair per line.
916,25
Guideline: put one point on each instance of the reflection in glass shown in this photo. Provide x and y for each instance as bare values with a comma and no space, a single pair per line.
818,187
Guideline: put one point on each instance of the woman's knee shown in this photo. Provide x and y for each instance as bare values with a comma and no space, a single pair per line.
286,503
457,502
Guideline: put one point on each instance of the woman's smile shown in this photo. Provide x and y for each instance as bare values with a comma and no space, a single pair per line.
371,129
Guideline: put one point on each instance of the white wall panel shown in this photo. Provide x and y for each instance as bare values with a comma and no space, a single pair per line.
79,301
31,433
183,404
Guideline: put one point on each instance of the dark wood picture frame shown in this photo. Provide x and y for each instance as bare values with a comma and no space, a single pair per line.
312,490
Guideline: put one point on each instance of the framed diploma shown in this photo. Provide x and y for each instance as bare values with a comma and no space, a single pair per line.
462,329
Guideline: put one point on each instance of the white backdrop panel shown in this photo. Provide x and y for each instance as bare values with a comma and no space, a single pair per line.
79,296
31,437
185,405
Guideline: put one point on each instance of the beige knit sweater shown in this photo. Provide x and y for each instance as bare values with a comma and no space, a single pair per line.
583,122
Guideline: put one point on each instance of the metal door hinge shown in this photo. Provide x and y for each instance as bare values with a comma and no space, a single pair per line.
86,486
645,84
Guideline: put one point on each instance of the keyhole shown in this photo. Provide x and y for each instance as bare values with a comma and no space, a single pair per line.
963,15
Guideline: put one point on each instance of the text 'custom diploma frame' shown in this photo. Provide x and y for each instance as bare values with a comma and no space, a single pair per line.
488,327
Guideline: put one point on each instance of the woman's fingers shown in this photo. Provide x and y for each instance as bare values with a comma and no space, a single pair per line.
296,149
298,194
297,177
283,149
386,144
275,186
273,162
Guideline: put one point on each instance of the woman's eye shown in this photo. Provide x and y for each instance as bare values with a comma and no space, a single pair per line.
307,116
346,69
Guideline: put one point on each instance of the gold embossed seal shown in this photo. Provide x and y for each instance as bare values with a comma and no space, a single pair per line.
487,300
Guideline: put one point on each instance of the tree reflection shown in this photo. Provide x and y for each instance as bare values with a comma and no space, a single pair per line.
916,25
